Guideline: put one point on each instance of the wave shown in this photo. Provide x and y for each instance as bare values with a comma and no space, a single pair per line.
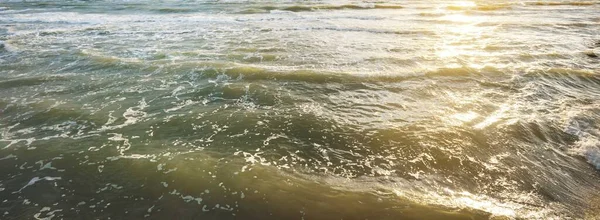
495,7
432,14
479,7
582,124
305,8
28,81
261,67
337,7
594,49
94,60
561,3
174,10
322,76
257,73
590,149
341,29
3,47
254,58
587,145
592,54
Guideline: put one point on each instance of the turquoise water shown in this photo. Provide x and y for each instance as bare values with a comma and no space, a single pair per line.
299,110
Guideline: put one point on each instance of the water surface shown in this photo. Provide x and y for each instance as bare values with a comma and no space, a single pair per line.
299,110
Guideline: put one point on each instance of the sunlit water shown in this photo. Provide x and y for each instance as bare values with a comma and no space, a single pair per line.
299,110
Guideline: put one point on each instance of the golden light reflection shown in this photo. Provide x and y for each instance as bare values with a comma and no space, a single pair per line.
464,199
461,36
465,117
494,117
461,5
458,18
465,4
483,203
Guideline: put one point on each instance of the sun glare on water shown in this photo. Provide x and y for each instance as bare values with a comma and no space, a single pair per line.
462,32
460,17
465,4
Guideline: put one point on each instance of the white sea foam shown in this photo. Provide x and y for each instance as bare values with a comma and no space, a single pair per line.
589,147
588,144
132,115
37,179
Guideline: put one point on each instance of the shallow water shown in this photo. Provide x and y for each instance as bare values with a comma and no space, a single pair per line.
299,110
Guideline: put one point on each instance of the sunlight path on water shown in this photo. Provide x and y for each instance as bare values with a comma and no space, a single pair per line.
291,110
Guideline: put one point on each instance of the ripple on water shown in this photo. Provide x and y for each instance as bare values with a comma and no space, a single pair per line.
419,110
